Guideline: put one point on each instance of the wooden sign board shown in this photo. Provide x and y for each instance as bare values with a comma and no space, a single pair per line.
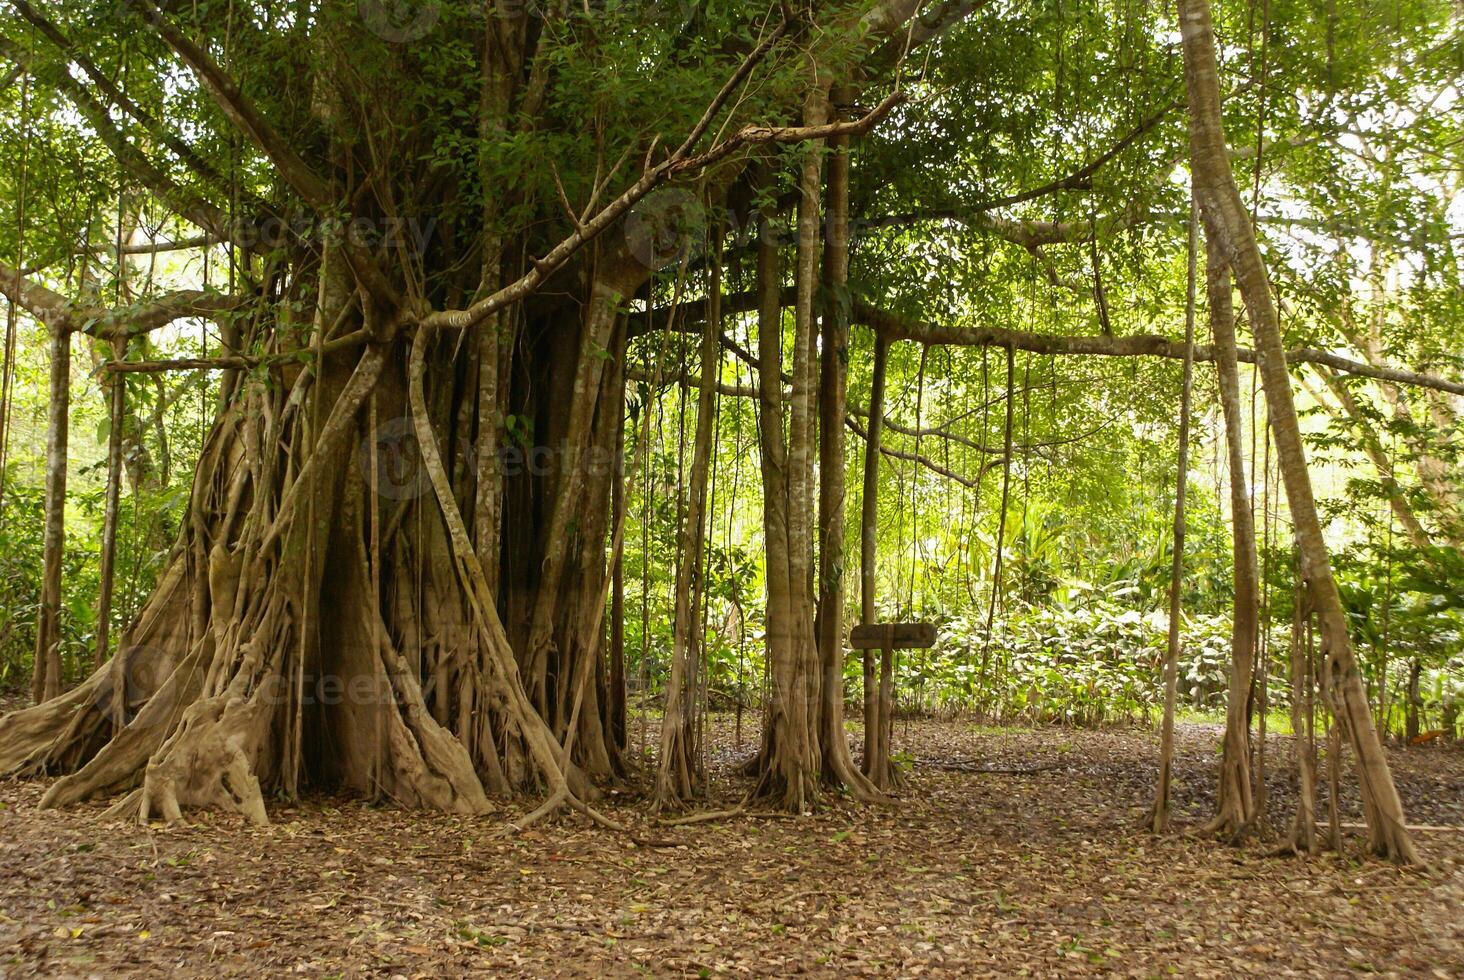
894,636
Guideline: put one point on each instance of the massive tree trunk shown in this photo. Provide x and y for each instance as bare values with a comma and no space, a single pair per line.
422,625
252,672
1227,221
1234,803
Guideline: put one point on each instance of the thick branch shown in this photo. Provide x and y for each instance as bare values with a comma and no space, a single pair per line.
1137,345
135,321
50,307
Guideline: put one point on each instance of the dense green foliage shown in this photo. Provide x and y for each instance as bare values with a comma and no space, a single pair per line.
1348,114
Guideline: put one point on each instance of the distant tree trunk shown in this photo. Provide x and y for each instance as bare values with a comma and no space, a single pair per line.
142,470
46,679
1435,476
1234,803
1376,453
1159,815
1412,723
1228,222
678,775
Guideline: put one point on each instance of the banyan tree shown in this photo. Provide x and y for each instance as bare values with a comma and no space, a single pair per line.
446,227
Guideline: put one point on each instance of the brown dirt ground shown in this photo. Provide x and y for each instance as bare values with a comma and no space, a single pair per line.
1038,872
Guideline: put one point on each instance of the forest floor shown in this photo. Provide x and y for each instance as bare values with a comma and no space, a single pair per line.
1036,870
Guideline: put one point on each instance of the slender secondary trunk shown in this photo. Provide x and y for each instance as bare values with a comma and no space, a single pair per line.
1226,219
1159,815
1263,641
1234,804
1334,768
117,411
779,757
616,694
876,752
837,765
790,758
46,679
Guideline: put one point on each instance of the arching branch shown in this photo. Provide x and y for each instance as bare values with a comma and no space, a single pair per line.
107,87
181,201
240,111
970,482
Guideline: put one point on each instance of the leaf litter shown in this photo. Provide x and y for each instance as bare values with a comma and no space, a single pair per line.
1016,852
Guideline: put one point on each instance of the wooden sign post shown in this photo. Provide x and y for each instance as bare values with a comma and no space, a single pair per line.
892,636
887,637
